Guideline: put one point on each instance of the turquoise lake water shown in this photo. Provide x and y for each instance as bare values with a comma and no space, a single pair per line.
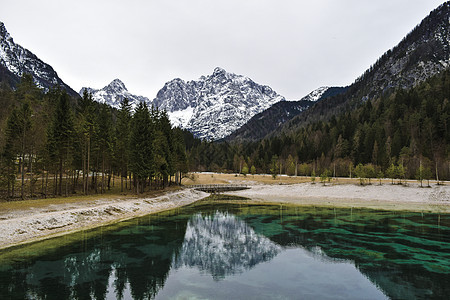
232,251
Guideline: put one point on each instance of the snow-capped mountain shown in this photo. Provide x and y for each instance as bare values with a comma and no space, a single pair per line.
113,94
222,245
18,60
316,94
214,106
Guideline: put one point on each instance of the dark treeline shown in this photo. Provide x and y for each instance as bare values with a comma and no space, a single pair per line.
405,134
52,144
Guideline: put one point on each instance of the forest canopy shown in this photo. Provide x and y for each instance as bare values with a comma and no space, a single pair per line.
405,129
52,144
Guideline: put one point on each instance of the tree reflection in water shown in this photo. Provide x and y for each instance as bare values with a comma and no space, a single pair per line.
406,255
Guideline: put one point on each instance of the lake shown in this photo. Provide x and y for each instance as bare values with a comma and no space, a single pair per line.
240,251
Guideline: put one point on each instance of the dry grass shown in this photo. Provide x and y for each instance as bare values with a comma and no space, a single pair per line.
77,199
219,178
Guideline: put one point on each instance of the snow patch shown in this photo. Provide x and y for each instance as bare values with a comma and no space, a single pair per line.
181,118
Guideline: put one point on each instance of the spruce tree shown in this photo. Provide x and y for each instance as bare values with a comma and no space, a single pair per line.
123,139
60,134
142,162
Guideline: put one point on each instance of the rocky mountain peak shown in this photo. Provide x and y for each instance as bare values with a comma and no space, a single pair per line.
3,31
316,94
18,60
215,105
117,85
113,94
218,71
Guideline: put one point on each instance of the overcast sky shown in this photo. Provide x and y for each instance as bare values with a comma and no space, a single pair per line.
292,46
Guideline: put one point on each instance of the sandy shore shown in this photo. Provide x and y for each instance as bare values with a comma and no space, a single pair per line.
21,226
387,196
24,226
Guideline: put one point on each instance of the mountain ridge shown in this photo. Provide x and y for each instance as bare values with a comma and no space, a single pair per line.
113,93
421,54
215,105
18,60
272,118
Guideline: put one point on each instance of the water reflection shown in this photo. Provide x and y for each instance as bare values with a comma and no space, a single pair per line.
222,244
241,251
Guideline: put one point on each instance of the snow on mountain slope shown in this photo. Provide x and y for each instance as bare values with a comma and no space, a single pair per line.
316,94
215,105
19,60
113,93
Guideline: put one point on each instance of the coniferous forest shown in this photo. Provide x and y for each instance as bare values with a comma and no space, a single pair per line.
404,134
56,145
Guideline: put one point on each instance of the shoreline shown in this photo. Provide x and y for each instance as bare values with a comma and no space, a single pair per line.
31,225
24,227
385,197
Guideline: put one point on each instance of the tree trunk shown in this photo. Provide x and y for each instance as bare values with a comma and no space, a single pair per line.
109,181
60,176
55,187
83,167
130,180
437,174
9,180
22,171
13,177
42,181
76,181
88,167
67,181
103,174
137,186
94,180
31,174
46,184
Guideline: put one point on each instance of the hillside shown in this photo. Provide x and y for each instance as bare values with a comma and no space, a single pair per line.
278,114
423,53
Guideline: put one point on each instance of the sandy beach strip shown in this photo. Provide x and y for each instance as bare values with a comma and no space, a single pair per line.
25,226
19,226
386,196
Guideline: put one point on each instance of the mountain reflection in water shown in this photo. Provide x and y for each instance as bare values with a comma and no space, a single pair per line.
222,244
240,251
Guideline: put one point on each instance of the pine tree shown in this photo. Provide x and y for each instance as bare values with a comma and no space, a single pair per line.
23,129
11,150
104,139
142,160
181,161
123,139
163,125
87,129
60,134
